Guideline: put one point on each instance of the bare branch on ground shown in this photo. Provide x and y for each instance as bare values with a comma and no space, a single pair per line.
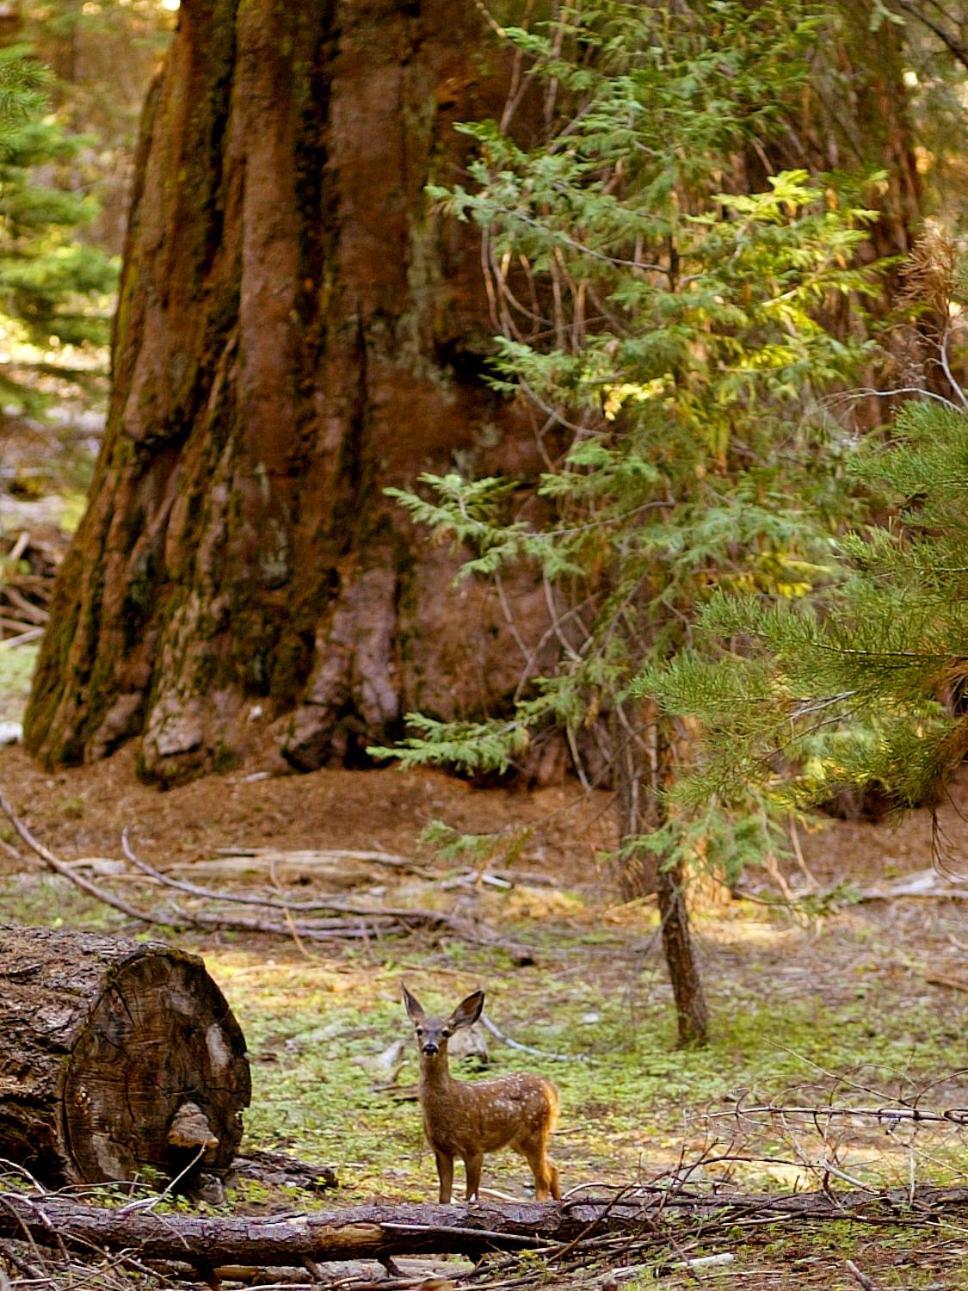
353,921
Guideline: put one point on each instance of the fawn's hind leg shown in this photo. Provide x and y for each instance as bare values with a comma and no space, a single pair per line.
545,1171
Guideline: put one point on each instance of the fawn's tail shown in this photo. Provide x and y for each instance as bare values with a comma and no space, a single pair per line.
554,1104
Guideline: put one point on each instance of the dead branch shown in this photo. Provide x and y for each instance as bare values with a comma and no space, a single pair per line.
649,1216
890,1115
32,613
355,921
942,979
925,885
59,867
278,1169
498,1034
333,904
862,1280
272,855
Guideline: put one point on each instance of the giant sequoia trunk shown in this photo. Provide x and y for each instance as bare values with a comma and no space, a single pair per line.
296,331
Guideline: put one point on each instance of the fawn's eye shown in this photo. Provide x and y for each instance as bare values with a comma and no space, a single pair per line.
445,1034
419,1030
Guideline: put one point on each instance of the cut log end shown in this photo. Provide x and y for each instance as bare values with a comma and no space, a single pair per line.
159,1042
117,1056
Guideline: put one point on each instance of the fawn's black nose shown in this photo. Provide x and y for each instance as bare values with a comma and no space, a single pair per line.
431,1047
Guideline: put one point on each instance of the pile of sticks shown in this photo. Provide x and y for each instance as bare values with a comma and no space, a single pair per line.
325,918
28,565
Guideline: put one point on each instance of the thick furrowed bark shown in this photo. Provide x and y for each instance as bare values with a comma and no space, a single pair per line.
295,332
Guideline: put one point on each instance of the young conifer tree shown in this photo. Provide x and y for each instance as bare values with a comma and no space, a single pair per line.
23,83
866,683
55,291
661,324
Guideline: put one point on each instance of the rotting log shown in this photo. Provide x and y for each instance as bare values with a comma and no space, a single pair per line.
114,1055
380,1231
278,1170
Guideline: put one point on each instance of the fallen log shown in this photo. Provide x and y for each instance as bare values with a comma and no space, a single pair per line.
114,1055
378,1232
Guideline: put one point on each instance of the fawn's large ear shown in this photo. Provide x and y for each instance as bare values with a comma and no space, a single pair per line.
468,1011
414,1007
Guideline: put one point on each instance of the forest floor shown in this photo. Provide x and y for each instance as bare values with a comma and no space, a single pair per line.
862,1006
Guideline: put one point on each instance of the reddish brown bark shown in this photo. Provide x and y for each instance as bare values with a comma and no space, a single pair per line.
296,331
692,1015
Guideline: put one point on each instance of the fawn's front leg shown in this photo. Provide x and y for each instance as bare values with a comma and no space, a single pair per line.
473,1167
445,1173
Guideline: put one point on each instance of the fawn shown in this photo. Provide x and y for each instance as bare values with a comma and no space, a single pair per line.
466,1119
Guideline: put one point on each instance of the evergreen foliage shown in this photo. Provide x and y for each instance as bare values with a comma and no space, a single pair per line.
666,330
867,683
23,85
54,290
667,333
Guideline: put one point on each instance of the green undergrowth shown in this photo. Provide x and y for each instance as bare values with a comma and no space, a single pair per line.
815,1255
39,898
794,1026
633,1107
16,671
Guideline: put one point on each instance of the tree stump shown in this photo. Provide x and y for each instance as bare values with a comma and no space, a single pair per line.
114,1055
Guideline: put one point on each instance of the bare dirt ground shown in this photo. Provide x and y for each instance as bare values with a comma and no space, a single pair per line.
84,809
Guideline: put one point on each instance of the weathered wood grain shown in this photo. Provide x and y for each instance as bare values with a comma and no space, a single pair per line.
378,1231
102,1041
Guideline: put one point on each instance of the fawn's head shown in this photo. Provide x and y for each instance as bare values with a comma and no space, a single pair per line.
433,1033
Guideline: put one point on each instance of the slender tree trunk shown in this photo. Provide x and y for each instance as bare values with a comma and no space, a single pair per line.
634,773
296,330
692,1016
643,768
